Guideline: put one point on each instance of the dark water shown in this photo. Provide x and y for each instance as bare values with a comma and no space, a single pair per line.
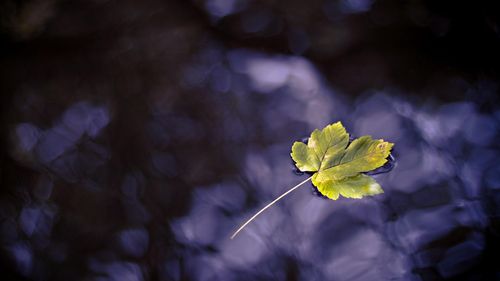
138,135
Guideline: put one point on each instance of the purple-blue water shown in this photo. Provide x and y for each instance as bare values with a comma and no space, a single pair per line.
137,136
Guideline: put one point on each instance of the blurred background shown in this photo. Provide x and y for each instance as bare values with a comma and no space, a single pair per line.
137,135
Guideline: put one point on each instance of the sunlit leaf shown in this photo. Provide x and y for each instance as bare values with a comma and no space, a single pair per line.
337,165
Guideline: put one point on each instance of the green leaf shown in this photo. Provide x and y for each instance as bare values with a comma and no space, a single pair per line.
337,166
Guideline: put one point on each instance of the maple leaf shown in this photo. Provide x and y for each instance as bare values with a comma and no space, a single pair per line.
337,166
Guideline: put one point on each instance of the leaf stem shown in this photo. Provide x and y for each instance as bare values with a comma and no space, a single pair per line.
269,205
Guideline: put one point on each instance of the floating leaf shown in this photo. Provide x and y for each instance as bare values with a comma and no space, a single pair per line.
337,167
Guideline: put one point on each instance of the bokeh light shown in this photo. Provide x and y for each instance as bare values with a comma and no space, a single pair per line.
137,136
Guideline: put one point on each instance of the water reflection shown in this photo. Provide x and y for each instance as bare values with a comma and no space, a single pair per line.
434,192
147,141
